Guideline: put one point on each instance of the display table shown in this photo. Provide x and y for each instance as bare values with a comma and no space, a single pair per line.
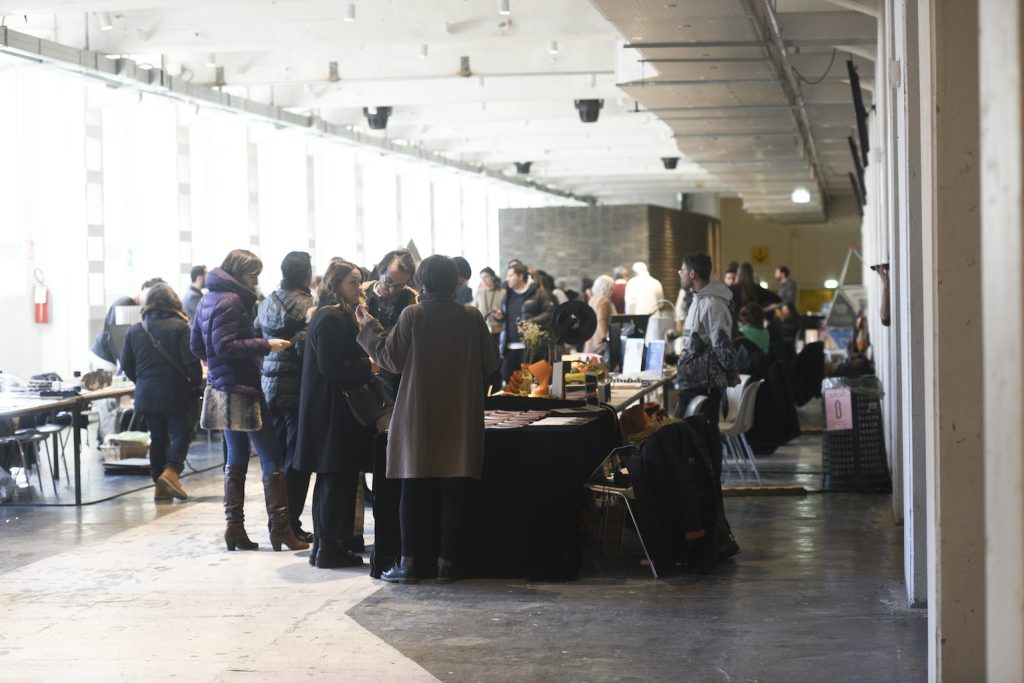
523,519
19,405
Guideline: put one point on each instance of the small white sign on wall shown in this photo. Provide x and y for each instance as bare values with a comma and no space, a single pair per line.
838,409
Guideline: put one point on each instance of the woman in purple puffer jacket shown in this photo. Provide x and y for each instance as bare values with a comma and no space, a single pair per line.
224,337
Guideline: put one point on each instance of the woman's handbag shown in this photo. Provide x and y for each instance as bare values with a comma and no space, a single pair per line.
368,402
237,412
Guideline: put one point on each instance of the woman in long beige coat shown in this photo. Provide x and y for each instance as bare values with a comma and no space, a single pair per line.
443,351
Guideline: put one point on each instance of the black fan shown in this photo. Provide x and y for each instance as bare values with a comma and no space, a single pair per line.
573,323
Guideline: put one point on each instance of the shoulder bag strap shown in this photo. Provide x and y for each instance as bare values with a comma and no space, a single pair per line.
175,363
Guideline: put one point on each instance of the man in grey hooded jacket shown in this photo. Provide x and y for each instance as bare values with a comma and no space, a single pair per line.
708,362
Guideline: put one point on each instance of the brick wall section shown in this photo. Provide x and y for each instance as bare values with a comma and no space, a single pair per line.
578,242
574,242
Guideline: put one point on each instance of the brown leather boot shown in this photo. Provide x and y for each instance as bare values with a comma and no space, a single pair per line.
277,509
172,484
234,500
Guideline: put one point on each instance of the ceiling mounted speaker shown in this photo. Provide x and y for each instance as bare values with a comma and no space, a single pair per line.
523,167
377,117
670,162
589,109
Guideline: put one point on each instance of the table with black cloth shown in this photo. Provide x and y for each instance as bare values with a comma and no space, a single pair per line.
523,518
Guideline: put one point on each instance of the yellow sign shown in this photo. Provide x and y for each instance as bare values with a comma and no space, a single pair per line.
760,255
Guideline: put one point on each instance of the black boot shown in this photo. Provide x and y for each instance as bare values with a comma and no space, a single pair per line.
331,555
234,502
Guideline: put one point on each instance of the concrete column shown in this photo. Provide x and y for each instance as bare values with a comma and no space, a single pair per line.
951,254
1002,301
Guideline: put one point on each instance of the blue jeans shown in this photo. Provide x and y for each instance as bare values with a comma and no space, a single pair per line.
169,437
265,441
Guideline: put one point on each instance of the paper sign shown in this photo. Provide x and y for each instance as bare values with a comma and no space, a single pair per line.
838,409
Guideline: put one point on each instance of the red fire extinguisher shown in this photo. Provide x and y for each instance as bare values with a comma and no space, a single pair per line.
41,296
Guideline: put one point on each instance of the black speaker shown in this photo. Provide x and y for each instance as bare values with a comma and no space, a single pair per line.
523,167
589,109
670,162
377,117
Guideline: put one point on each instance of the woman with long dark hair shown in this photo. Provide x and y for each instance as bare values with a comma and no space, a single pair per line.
224,336
156,357
331,441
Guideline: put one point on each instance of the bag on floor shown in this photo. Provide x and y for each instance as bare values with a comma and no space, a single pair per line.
237,412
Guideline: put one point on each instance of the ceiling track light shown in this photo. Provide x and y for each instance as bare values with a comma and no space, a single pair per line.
424,51
553,47
106,22
801,196
503,7
350,12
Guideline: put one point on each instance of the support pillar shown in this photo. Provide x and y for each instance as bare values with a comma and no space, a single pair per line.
951,258
1002,301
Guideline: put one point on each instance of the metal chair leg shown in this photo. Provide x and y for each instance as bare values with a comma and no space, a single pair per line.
639,535
750,456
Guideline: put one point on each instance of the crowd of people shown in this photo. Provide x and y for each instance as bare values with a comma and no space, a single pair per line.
282,371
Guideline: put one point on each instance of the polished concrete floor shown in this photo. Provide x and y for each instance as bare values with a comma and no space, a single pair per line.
130,589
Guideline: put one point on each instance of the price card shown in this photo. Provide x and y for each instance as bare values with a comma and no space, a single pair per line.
838,409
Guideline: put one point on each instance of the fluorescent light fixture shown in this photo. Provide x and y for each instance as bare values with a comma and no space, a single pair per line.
801,196
211,60
503,7
350,12
424,51
831,283
106,23
553,47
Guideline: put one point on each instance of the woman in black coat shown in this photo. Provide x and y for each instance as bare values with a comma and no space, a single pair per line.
164,388
331,442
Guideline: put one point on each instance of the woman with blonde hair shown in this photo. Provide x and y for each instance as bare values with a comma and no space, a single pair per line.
167,377
224,336
600,301
331,441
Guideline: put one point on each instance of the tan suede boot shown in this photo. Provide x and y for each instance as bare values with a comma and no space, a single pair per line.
172,483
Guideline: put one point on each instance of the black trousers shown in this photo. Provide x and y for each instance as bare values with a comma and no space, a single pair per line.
511,361
334,507
286,427
453,497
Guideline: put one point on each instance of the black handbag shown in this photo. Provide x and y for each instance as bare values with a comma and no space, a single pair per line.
368,402
195,406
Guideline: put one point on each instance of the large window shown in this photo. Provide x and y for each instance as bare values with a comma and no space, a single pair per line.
335,204
218,149
380,207
283,202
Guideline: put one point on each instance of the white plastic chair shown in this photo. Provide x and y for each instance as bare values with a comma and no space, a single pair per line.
734,432
694,406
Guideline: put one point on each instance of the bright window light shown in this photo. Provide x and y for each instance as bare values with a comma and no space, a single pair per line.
801,196
831,284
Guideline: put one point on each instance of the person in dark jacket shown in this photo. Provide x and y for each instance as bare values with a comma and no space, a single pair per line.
331,442
164,390
195,290
223,335
284,315
525,302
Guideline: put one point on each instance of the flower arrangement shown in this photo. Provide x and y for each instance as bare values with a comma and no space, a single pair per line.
534,338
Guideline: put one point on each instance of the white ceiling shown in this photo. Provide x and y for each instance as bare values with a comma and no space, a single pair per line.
720,107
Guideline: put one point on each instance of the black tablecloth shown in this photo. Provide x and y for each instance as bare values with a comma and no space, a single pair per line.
523,519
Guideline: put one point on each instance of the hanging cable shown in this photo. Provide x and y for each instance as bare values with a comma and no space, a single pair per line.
831,63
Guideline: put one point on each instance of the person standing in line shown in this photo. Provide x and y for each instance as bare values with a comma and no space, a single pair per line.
463,294
224,337
167,377
436,343
284,314
104,356
331,441
488,301
729,277
708,362
195,290
618,295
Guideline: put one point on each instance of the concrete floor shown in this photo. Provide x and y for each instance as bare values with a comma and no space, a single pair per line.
129,589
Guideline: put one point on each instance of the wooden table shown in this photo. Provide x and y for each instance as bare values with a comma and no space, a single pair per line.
20,405
626,394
